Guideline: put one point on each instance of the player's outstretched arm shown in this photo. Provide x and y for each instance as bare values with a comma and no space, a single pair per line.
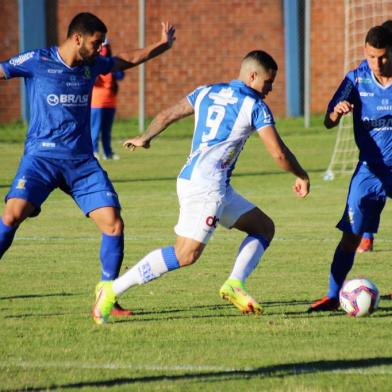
2,73
332,119
138,56
285,159
161,121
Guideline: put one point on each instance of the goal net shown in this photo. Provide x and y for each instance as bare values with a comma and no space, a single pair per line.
360,16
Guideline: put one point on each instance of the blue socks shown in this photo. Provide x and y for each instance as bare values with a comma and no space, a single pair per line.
112,254
170,258
340,267
7,234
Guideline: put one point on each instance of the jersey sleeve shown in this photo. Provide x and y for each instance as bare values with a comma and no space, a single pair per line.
344,92
262,116
22,65
194,94
103,65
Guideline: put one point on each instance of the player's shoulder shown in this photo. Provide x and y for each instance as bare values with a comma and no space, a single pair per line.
362,72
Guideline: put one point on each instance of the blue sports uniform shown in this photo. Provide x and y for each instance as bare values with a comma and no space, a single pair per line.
371,182
58,149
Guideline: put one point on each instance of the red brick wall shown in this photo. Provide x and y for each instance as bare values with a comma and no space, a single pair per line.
327,52
9,45
212,37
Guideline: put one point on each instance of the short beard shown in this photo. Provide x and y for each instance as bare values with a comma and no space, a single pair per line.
83,53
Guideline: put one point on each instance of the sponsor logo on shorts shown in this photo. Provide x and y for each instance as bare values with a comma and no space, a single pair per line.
48,144
21,183
211,221
111,194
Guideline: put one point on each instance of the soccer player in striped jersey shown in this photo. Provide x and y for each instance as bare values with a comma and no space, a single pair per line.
226,114
58,149
367,93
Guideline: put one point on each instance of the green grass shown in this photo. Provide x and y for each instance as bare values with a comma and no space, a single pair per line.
183,337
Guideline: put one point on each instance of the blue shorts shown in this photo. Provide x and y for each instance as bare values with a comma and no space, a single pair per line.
368,191
83,179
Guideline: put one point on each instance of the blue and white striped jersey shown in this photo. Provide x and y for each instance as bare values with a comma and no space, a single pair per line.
372,114
226,114
59,99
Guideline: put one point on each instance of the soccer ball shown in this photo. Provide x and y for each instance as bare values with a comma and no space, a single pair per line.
359,297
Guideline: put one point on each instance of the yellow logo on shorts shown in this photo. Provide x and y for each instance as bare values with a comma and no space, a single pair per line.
21,183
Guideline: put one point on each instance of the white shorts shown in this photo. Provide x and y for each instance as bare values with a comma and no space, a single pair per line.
202,209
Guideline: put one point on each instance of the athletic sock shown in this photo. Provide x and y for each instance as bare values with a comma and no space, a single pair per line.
7,234
150,267
340,267
249,255
112,254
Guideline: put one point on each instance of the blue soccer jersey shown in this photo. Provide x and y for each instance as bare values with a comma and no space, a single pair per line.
372,114
59,99
226,114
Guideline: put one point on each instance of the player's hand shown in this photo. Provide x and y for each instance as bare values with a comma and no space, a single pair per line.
301,187
168,34
132,143
343,107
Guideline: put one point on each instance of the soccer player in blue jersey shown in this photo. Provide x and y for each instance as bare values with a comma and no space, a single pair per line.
367,93
226,114
58,149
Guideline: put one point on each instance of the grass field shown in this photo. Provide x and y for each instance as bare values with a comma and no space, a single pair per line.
183,336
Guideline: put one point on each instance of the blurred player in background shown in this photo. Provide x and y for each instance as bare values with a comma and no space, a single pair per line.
103,107
226,114
367,93
58,150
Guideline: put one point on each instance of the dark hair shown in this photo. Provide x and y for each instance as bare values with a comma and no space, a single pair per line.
86,23
379,37
388,25
262,58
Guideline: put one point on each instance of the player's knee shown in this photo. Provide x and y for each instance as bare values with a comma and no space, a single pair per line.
12,219
266,228
116,227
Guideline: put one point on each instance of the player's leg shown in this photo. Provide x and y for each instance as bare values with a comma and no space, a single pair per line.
196,223
110,223
15,212
239,213
107,123
32,184
365,202
90,187
95,124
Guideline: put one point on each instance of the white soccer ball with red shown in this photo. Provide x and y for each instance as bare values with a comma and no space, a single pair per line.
359,297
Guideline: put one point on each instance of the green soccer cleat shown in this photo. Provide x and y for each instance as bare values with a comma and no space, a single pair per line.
235,291
104,302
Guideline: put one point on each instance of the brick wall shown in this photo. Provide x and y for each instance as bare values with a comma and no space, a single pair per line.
9,45
327,48
212,37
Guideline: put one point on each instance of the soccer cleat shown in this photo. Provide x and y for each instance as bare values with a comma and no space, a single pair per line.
235,291
119,311
366,245
104,302
324,304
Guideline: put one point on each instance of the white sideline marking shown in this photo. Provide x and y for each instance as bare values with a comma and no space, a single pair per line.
372,370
